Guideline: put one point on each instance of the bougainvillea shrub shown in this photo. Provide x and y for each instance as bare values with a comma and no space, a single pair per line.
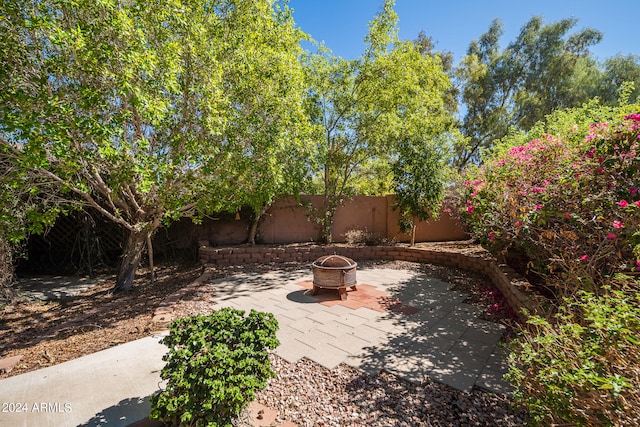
573,209
569,206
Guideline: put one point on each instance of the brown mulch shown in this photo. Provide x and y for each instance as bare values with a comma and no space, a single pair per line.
46,333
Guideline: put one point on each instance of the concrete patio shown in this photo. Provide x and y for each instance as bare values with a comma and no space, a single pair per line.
401,321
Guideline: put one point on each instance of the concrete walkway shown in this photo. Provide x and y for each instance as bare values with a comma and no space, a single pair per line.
108,388
56,287
398,320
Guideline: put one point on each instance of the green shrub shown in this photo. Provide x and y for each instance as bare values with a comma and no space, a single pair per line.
215,365
567,207
582,367
367,238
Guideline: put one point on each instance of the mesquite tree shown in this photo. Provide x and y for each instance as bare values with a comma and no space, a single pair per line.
131,105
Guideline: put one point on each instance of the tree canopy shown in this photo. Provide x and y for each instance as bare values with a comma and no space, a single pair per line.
546,68
362,107
138,108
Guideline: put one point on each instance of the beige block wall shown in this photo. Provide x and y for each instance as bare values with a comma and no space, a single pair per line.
288,222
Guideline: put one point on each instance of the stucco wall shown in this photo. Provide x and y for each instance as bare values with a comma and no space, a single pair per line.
287,221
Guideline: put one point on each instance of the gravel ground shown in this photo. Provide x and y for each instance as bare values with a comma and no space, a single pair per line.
310,395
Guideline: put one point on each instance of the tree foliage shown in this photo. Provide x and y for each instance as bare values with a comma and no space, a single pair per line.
268,117
547,67
27,206
420,175
144,110
362,107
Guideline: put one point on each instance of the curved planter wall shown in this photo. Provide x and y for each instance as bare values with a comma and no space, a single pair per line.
514,288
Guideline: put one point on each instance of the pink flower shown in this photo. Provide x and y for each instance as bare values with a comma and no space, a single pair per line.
537,207
519,223
633,191
611,236
634,117
584,258
567,215
638,265
623,203
618,224
492,236
591,153
470,209
637,203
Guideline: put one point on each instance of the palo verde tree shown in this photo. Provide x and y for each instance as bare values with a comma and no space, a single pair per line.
363,107
130,105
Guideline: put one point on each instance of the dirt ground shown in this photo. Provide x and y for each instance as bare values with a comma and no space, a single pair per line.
46,333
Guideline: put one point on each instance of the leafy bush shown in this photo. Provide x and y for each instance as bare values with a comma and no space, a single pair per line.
583,366
568,205
215,365
367,238
572,209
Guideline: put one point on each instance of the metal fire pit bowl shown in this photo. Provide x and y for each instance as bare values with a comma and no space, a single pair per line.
334,272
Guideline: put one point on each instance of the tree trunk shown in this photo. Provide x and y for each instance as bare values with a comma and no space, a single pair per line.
131,258
152,272
7,292
253,230
413,234
327,225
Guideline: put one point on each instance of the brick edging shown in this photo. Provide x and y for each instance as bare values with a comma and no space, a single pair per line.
515,288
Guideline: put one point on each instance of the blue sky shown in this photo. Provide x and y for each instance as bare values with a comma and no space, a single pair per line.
453,24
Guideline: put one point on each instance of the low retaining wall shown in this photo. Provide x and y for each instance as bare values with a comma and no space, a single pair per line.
514,288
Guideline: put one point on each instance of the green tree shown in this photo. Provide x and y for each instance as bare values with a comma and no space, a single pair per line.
362,107
130,106
427,46
619,70
420,176
268,119
544,69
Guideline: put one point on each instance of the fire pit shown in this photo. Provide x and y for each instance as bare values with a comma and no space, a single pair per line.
334,272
